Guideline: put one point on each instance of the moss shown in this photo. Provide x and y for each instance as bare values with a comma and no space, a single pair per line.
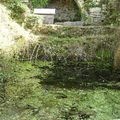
70,31
28,98
117,58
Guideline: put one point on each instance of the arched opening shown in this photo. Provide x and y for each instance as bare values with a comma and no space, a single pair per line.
66,10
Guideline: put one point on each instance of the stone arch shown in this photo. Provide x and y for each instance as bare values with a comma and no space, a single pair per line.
80,4
66,10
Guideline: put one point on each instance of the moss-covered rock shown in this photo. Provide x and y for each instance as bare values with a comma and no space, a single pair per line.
73,31
117,58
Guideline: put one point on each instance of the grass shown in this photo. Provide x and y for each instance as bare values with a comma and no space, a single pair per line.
29,98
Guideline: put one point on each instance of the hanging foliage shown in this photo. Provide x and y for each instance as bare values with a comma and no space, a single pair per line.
39,3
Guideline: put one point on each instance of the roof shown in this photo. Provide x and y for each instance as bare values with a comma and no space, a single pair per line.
44,11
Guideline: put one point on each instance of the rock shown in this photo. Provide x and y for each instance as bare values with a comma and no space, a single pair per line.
117,58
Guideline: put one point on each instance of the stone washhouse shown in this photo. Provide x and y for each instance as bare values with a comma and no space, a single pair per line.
68,12
60,12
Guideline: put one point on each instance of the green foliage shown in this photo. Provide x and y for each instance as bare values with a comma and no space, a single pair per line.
39,3
90,3
7,67
17,9
112,17
112,14
29,98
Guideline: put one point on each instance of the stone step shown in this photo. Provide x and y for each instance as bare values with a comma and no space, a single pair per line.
73,31
69,23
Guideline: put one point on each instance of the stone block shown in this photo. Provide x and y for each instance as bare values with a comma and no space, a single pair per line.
47,19
46,14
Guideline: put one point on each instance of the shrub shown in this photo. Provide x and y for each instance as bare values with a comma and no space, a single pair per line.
17,8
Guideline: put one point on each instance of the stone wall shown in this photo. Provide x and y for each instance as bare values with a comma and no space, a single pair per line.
48,19
117,58
91,15
69,23
65,11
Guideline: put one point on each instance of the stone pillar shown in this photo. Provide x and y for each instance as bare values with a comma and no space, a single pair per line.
96,15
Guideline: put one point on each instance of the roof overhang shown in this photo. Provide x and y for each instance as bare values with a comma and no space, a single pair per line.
44,11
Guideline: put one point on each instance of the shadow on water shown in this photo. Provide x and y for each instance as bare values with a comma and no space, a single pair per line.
80,75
